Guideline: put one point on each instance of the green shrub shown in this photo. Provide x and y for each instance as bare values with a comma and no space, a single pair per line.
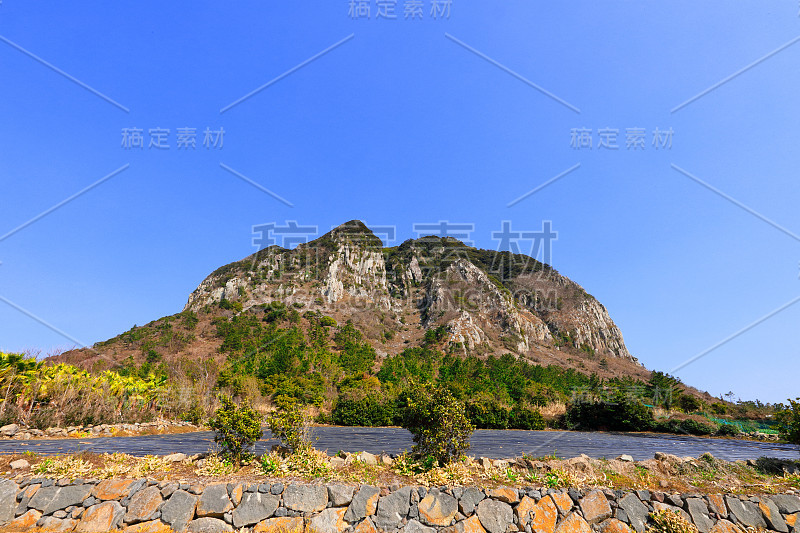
236,429
689,404
276,312
327,321
719,408
487,414
728,430
526,418
620,414
693,427
291,424
788,420
438,423
232,306
366,411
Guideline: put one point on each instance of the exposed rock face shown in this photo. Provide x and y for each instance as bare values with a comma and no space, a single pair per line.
491,302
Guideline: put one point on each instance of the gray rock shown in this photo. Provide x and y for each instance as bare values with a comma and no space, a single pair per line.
773,518
9,430
643,495
305,498
787,504
19,464
358,506
276,488
51,499
393,508
117,513
367,458
280,512
675,499
179,509
254,508
325,522
264,488
437,506
175,457
143,505
622,516
8,500
51,523
168,489
469,500
698,510
635,511
340,495
208,525
746,513
495,516
214,501
625,458
458,492
88,502
415,527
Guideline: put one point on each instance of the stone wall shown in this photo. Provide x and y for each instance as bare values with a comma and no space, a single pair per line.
149,506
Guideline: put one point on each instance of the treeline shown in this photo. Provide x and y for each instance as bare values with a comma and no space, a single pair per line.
277,352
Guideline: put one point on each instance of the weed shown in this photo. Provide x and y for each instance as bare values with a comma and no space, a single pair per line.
63,466
270,464
512,475
215,465
668,521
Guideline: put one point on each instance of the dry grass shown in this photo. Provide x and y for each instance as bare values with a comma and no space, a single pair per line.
704,474
553,410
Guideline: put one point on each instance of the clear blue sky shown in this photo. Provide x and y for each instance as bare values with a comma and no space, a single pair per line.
402,124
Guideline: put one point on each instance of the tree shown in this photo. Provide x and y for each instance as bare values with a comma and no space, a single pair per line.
236,428
788,420
664,389
291,424
438,423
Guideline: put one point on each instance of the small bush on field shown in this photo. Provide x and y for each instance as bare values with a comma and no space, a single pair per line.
438,423
291,424
236,429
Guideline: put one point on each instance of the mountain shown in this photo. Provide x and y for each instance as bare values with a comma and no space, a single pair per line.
471,301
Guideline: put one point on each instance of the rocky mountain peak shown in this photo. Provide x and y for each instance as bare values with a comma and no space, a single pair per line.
488,302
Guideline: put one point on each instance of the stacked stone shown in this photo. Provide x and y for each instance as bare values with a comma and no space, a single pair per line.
148,506
17,432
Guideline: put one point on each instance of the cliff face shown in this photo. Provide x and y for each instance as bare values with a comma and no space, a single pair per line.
483,301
